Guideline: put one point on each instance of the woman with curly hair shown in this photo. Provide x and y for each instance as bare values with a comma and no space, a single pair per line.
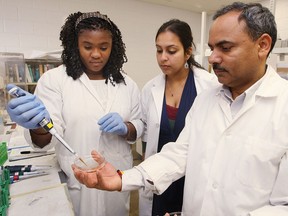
92,103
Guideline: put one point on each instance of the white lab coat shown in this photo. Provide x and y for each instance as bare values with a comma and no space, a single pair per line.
75,109
232,166
151,104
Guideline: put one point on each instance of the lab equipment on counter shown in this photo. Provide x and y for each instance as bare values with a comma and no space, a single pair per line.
27,168
15,178
3,153
4,181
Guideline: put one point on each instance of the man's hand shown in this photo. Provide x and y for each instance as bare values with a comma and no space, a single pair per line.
104,178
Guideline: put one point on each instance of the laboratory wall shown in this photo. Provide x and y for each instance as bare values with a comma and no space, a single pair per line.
30,25
35,25
281,17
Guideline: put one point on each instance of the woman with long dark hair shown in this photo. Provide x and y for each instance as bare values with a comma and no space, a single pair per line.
166,99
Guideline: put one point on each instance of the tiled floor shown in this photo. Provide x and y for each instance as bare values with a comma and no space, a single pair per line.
134,194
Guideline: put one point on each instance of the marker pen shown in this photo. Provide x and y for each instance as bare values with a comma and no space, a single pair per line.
33,152
18,178
26,168
25,173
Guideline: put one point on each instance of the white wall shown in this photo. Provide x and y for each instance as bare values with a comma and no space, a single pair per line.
281,18
35,25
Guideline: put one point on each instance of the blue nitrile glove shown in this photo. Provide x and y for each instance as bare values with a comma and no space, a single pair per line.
26,110
113,123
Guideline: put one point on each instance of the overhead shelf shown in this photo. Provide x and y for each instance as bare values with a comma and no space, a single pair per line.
280,50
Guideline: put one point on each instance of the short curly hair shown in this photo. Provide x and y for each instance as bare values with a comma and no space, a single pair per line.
71,57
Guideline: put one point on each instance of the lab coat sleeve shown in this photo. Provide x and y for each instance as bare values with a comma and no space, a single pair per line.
48,90
157,172
279,197
168,165
132,179
135,179
135,117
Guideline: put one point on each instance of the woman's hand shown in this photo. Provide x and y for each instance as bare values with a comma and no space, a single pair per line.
113,123
26,110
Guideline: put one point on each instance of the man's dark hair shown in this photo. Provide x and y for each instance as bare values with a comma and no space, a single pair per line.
259,20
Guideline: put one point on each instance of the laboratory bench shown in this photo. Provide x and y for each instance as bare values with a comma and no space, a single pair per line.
41,195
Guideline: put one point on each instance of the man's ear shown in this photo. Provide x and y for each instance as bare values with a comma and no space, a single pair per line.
264,44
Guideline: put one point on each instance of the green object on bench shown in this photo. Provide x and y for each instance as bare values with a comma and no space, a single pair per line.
4,181
3,153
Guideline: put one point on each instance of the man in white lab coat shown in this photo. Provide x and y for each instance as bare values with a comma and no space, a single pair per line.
233,148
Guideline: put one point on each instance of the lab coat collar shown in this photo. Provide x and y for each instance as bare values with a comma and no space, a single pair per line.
271,85
268,87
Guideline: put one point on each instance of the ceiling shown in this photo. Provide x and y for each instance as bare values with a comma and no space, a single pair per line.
209,6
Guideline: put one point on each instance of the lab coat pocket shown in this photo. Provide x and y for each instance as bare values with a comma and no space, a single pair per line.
259,163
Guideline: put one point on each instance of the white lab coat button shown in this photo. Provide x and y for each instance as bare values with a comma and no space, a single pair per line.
150,198
157,125
154,152
215,185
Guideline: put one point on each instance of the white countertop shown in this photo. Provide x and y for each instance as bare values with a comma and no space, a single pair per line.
42,195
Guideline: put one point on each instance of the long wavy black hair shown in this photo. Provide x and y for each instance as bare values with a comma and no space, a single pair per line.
71,56
183,31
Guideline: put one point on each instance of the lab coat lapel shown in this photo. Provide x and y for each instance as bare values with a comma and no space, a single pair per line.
225,107
112,93
248,104
87,83
158,93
